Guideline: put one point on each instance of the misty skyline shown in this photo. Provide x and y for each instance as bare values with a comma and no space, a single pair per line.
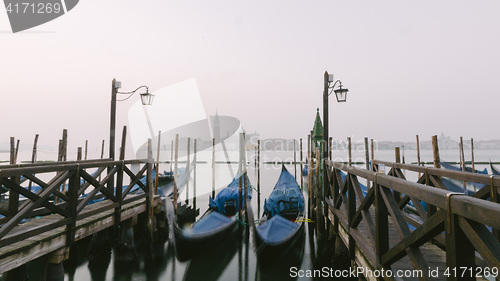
411,67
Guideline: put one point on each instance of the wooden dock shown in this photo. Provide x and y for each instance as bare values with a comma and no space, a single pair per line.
414,231
54,215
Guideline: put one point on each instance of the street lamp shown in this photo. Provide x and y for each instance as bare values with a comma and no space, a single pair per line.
341,95
146,99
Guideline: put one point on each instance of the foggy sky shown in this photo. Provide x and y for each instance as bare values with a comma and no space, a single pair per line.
411,67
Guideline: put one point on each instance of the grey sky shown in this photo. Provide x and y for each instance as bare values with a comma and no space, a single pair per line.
412,67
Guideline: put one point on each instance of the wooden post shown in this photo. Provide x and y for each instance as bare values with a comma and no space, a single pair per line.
240,181
309,174
171,156
119,181
79,154
435,152
187,169
86,148
123,143
102,150
258,178
319,219
295,158
157,174
330,145
33,157
301,167
462,155
149,181
349,149
418,154
431,210
462,159
245,197
213,168
13,196
373,152
367,160
175,170
472,154
194,176
397,154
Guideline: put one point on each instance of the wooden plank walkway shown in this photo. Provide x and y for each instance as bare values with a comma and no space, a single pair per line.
16,254
433,255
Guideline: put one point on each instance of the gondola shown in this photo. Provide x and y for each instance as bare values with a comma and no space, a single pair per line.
494,170
166,186
214,227
280,228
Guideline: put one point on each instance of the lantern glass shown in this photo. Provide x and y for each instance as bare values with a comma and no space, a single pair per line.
341,94
147,98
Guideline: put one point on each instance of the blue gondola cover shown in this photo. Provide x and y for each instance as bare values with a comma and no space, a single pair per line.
230,193
286,195
273,230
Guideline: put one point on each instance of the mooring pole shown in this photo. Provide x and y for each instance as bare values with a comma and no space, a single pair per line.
188,169
295,158
194,176
175,170
418,154
349,150
367,160
213,168
301,167
240,180
157,174
258,178
472,154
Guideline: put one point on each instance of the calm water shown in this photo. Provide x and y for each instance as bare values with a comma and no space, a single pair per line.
235,260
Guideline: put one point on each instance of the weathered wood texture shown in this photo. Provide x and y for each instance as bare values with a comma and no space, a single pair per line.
87,207
387,232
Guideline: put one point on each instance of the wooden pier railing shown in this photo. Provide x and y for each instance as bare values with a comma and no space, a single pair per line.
395,224
63,202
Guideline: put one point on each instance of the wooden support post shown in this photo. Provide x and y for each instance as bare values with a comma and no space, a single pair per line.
373,152
245,197
171,156
240,180
330,147
351,210
175,171
431,210
309,175
397,154
460,253
472,154
213,167
119,182
418,154
295,158
33,157
157,174
13,196
367,160
102,150
258,178
195,158
86,148
73,188
301,167
349,150
462,155
435,152
381,225
79,154
188,168
149,182
317,185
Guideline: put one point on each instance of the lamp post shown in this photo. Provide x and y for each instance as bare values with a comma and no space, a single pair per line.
146,99
341,95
